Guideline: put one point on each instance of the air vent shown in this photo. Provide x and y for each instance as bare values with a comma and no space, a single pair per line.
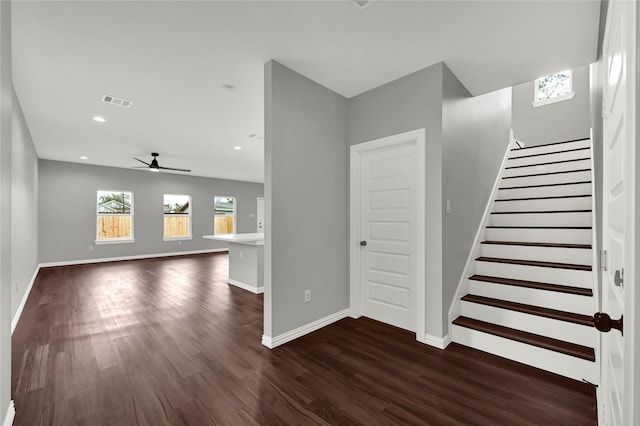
361,4
117,101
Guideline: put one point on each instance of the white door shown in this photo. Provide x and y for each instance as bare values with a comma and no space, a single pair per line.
387,228
617,357
260,215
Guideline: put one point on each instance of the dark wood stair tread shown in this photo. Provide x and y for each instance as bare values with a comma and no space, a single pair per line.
532,310
549,144
538,263
547,174
579,291
543,211
547,163
544,342
544,198
549,153
544,185
528,244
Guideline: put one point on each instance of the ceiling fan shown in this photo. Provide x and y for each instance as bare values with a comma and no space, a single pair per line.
154,166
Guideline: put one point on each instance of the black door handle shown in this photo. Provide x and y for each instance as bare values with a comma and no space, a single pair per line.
363,243
604,323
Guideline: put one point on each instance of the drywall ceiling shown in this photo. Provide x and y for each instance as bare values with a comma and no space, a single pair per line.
172,60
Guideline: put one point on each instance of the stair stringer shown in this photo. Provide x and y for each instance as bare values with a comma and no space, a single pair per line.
469,269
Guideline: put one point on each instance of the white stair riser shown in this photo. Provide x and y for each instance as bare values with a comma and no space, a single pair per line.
542,219
556,329
564,365
549,148
549,168
543,254
525,159
531,296
570,236
568,277
581,203
574,176
545,191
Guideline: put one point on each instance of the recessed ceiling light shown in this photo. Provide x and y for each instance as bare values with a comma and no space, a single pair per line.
84,158
237,148
99,119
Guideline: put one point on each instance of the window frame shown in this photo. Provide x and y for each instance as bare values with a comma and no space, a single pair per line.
125,240
234,214
536,103
190,216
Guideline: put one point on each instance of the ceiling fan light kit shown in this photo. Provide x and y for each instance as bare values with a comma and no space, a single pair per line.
155,167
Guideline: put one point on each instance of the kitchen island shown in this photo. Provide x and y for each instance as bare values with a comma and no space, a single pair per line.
246,260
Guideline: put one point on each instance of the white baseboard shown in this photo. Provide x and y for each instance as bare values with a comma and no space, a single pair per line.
244,286
133,257
272,342
25,296
11,413
438,342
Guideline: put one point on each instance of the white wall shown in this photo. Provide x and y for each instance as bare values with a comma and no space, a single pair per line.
24,208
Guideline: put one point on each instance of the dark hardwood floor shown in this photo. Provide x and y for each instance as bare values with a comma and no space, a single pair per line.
168,342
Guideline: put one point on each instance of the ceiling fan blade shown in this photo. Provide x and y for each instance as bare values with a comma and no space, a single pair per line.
177,170
143,162
140,167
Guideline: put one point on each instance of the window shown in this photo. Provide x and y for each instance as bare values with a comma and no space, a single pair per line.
224,215
177,217
115,217
553,88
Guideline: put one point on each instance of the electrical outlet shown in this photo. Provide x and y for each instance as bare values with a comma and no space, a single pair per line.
90,248
307,296
179,243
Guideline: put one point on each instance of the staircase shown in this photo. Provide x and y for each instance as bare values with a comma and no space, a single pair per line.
531,298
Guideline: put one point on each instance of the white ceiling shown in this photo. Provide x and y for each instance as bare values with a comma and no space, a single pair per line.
172,59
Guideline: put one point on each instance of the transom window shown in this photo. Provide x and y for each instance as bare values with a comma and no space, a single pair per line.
224,215
177,217
553,88
115,217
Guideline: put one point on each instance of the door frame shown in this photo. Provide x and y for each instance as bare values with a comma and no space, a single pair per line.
415,138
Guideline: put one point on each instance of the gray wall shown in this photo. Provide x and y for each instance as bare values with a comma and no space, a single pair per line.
306,189
6,96
475,133
560,121
24,208
409,103
67,209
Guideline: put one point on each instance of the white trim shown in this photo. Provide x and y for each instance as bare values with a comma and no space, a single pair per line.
115,241
133,257
9,416
244,286
130,214
549,101
438,342
272,342
469,269
25,296
416,138
177,238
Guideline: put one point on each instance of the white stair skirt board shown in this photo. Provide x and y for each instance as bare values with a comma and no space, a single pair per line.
577,203
544,254
550,148
542,219
549,168
244,286
570,236
545,179
556,329
531,296
564,365
525,159
273,342
544,191
568,277
9,416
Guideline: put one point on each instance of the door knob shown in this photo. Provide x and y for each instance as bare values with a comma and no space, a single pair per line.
618,278
363,243
604,323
